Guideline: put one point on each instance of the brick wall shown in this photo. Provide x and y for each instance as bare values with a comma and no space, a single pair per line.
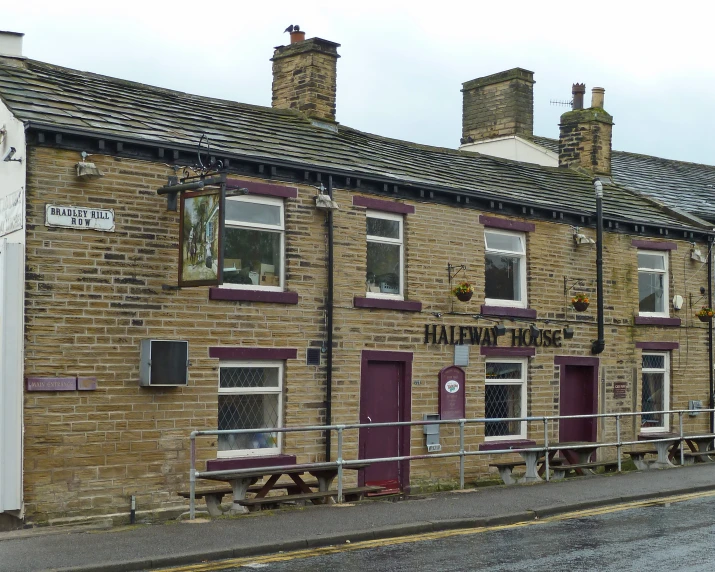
91,298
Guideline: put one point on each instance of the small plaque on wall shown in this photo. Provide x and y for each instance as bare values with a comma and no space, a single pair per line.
619,389
51,384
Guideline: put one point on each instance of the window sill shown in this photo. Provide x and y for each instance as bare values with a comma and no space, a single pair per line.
508,311
253,296
503,445
385,304
655,321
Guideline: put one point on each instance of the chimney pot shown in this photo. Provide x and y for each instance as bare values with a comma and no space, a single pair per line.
597,97
577,92
296,37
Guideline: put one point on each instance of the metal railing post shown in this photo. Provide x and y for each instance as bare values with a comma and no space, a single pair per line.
618,441
192,479
682,453
461,454
546,447
340,464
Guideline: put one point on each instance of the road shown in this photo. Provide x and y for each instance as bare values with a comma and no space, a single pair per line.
675,534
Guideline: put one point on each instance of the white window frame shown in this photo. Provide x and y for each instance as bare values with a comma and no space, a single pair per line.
280,365
381,239
256,226
666,283
521,382
666,389
523,303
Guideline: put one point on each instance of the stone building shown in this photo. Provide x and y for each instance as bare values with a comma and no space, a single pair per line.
289,339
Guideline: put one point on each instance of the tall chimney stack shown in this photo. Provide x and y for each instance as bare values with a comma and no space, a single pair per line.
498,105
585,134
304,76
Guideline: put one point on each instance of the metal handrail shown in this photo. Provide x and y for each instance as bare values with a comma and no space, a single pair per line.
339,463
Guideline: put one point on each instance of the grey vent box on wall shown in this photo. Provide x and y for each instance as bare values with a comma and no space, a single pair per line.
164,363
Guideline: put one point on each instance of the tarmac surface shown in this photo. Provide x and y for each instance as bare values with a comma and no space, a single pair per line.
144,547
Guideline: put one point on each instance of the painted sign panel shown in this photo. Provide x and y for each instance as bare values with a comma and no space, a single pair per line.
51,384
81,218
11,212
200,239
619,389
451,393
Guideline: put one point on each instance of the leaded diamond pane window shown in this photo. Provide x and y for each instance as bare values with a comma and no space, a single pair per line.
505,398
655,379
250,397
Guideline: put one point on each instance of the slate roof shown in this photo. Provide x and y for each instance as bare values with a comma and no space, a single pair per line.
688,186
48,96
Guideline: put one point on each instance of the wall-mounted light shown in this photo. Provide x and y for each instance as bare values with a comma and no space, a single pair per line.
10,154
85,169
500,329
437,314
568,333
534,330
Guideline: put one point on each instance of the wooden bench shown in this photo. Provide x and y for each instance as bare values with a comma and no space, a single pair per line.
349,494
214,496
561,470
638,458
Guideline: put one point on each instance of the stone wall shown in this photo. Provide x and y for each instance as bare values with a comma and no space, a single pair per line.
499,105
91,298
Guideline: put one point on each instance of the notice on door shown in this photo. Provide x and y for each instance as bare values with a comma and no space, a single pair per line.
81,218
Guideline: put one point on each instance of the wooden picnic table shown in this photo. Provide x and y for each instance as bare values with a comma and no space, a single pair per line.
240,482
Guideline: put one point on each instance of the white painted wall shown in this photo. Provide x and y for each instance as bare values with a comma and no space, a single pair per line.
12,294
516,149
12,173
11,372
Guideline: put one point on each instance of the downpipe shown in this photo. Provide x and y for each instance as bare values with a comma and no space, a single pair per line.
598,345
329,327
710,333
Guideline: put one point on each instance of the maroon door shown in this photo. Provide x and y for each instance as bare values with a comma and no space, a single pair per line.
578,397
382,396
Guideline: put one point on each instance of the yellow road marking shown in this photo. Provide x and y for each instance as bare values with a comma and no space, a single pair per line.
367,544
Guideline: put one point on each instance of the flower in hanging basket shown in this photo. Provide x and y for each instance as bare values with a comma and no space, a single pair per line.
580,302
705,314
463,291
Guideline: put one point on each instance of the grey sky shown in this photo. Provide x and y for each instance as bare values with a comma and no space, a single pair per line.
403,63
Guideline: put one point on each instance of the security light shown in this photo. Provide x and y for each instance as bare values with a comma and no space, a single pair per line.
10,154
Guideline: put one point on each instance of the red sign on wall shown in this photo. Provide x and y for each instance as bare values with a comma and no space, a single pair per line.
452,395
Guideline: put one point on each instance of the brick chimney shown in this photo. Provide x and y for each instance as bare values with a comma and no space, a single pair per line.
498,105
585,134
304,76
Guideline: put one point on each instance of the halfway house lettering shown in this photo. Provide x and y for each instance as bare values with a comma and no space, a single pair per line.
475,335
79,217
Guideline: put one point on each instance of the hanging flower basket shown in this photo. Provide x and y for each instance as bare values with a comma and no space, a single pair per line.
705,314
463,292
580,302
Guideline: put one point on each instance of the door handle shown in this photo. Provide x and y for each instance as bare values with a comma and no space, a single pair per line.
368,418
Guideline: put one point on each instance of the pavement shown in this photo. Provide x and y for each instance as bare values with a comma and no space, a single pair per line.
143,547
